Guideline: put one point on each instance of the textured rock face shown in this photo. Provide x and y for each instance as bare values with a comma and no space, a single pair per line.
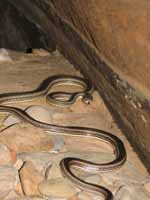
119,30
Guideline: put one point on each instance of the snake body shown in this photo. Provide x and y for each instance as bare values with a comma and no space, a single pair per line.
66,98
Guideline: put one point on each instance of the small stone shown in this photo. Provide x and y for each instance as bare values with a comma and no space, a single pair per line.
18,164
39,113
84,196
11,120
7,156
89,196
30,178
147,187
12,196
8,180
59,188
53,172
93,179
75,197
41,160
4,56
59,143
40,52
131,192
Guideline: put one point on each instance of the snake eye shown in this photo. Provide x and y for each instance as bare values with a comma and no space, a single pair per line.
87,98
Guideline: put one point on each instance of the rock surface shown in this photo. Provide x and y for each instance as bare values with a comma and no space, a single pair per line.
29,163
24,138
59,188
30,177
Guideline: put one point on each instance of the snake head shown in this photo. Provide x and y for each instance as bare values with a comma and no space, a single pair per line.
87,98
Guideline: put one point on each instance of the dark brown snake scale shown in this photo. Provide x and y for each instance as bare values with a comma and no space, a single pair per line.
65,99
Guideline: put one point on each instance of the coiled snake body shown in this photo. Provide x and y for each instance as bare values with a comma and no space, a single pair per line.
66,98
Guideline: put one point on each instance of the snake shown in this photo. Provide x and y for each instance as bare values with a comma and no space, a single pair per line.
61,98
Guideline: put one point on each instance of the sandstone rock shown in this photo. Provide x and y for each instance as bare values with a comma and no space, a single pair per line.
147,186
40,52
53,172
10,120
4,56
93,179
8,180
84,196
26,138
131,192
30,178
40,160
75,197
59,143
12,196
18,164
39,113
7,156
58,187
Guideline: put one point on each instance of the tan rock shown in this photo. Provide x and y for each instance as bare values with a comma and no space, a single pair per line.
59,143
26,138
40,52
10,120
7,156
41,160
147,187
4,56
131,192
12,196
39,113
8,180
59,188
93,179
75,197
18,164
53,172
30,178
84,196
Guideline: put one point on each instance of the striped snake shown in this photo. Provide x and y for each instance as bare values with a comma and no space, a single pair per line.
64,99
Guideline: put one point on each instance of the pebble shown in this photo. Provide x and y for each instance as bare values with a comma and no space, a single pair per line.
30,178
53,172
59,143
84,196
11,120
18,164
147,187
39,113
12,196
59,188
4,55
41,160
131,192
7,156
93,179
8,180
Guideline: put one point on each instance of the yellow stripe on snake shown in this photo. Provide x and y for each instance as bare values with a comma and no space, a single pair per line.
64,99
